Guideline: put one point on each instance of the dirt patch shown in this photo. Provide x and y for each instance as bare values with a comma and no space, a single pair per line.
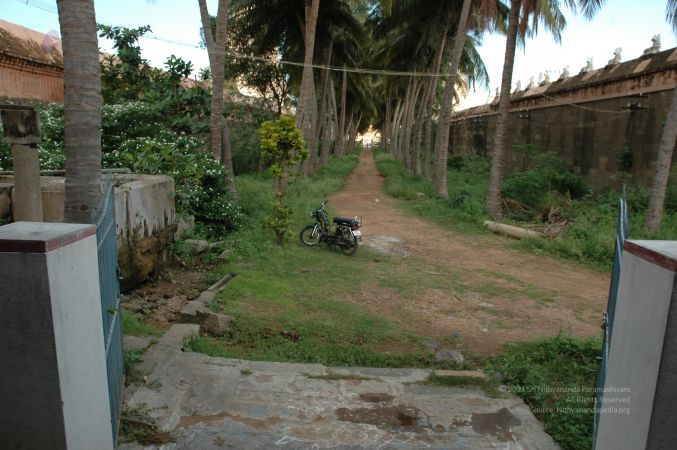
386,417
501,294
376,398
499,424
161,299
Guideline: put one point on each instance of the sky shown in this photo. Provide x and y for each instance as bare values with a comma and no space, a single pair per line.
628,24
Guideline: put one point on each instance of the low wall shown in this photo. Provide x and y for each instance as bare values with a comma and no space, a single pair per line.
145,217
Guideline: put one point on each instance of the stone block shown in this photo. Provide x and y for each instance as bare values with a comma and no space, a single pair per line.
131,343
194,311
216,324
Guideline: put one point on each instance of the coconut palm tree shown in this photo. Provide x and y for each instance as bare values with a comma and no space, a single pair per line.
523,19
299,31
442,137
215,41
666,148
424,49
82,109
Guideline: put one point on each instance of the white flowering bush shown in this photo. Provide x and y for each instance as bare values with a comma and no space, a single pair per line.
134,136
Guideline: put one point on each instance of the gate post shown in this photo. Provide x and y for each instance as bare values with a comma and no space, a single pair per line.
52,360
639,404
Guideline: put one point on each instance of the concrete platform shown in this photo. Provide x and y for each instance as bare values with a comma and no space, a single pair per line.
214,403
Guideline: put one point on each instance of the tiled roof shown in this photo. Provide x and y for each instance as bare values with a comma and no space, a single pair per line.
31,45
644,65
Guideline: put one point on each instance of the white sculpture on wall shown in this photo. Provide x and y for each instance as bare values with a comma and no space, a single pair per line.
565,73
588,66
616,59
655,46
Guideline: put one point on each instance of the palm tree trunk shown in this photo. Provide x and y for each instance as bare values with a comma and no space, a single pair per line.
306,114
385,137
404,149
493,201
663,163
428,126
355,130
227,161
411,149
82,109
342,121
397,117
346,133
323,122
215,49
332,123
442,137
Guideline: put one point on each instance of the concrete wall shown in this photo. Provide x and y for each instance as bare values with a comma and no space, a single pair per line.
53,373
585,119
145,217
638,406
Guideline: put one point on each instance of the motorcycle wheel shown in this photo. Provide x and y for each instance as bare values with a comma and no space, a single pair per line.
349,244
307,236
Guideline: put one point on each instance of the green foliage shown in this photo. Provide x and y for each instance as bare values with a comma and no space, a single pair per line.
554,377
467,183
282,145
135,137
591,215
282,148
541,186
199,179
126,75
244,121
5,153
134,325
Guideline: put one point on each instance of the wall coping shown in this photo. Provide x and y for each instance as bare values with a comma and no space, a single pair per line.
41,237
660,253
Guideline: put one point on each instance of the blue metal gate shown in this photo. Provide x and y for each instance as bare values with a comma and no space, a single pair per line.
110,300
622,233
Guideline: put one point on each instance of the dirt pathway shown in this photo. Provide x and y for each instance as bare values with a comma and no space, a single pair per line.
500,294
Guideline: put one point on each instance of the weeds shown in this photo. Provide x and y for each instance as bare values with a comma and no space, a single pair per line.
489,386
555,377
547,189
137,425
133,325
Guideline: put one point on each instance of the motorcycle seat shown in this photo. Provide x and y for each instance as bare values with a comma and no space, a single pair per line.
343,220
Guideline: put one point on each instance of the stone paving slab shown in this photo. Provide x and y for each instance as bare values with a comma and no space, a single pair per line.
214,403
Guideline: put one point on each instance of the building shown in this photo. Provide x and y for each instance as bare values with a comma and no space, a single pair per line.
31,65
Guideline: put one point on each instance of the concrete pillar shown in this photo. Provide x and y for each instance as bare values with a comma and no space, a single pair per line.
21,127
53,379
639,403
26,196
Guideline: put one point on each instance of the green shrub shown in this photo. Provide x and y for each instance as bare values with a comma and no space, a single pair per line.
538,187
554,377
199,179
133,137
5,153
282,148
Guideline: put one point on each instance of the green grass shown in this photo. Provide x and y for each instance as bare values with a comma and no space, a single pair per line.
133,324
294,303
489,386
588,239
463,210
554,377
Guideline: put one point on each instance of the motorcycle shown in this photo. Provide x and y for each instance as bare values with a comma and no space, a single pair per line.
345,236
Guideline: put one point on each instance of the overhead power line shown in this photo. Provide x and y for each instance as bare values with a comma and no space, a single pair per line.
47,7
